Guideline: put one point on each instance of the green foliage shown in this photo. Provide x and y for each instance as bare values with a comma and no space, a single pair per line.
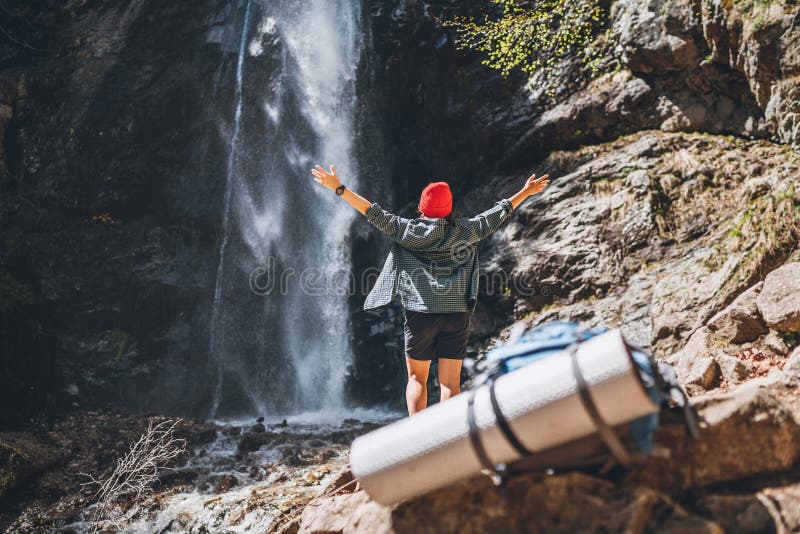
536,37
766,229
102,218
792,339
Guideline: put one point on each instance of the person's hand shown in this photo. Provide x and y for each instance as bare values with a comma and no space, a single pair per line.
535,185
327,178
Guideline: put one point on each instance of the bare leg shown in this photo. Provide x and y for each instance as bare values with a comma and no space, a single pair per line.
449,378
417,388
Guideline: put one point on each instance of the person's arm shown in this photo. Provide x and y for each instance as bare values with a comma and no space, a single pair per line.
388,223
483,224
533,186
330,180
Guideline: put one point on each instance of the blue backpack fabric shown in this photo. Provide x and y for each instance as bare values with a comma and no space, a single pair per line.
555,337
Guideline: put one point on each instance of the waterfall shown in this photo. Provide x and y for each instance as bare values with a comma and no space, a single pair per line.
286,349
237,122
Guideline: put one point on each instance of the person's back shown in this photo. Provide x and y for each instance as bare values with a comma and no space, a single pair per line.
432,268
433,265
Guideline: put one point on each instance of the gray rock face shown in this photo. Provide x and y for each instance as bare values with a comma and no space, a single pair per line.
687,295
624,237
760,41
779,300
740,321
791,369
658,36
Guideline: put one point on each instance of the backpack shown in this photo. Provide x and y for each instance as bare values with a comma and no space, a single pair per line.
624,444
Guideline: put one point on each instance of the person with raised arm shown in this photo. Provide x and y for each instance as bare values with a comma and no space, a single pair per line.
432,269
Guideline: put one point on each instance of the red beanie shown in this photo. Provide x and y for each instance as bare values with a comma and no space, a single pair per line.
436,200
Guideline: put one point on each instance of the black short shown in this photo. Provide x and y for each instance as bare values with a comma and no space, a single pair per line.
437,335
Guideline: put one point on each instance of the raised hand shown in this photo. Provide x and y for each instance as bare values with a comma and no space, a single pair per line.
327,178
535,185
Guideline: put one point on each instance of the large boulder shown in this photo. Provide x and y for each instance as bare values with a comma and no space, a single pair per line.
564,503
740,321
749,432
657,36
759,40
779,300
351,512
695,364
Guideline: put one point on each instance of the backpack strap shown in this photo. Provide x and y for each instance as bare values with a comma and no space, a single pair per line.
505,428
608,436
668,382
497,471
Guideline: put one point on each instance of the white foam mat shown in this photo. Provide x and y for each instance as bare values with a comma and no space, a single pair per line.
432,448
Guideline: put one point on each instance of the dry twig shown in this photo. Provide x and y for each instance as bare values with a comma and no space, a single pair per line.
134,474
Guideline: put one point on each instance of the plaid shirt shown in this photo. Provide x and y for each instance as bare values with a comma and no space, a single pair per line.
433,264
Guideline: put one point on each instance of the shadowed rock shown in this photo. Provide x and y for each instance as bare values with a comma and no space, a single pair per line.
740,321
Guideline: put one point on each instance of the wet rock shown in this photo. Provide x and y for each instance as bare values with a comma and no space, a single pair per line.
293,457
174,477
254,441
225,483
779,300
740,321
233,431
258,428
744,514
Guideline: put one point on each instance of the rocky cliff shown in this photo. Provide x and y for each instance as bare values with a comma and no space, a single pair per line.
674,196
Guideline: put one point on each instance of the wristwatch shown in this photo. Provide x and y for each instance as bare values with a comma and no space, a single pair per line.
340,190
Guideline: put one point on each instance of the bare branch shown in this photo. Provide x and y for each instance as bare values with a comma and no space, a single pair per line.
134,474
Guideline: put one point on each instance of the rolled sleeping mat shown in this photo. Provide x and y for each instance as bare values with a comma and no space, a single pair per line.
540,402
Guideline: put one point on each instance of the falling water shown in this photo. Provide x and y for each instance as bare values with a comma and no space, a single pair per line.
237,121
286,350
